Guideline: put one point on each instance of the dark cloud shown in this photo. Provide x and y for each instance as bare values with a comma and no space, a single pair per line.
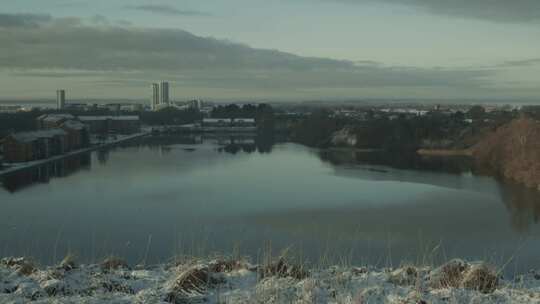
521,63
22,20
167,10
71,48
509,11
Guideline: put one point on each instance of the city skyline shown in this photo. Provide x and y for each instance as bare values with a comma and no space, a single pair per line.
273,50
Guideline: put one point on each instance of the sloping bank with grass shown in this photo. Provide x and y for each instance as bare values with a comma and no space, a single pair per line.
223,280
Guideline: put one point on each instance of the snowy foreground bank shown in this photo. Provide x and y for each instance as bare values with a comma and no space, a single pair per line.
227,281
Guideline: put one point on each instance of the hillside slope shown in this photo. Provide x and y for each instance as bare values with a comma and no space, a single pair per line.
512,151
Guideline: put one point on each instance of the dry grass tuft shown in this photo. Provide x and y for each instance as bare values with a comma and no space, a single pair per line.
405,276
281,268
23,266
69,262
113,263
482,278
448,275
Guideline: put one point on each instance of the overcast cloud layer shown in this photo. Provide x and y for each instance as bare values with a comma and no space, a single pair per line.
166,10
46,53
512,11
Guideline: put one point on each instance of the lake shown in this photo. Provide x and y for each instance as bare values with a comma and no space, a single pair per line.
163,196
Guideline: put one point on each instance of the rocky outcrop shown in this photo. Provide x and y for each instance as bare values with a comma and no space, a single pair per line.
512,151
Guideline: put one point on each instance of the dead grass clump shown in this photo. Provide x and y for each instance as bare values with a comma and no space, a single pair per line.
448,275
482,278
69,262
23,266
220,266
404,276
282,269
193,281
113,263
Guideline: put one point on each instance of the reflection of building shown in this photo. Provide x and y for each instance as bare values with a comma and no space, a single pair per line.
112,124
60,99
42,174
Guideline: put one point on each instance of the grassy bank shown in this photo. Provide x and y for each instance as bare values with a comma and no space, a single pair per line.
274,280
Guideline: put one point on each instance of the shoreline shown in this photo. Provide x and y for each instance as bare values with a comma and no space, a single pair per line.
445,152
12,168
227,280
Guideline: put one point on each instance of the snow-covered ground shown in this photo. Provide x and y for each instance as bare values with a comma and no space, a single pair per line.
227,281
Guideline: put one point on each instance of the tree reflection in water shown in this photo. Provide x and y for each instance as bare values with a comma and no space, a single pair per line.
522,203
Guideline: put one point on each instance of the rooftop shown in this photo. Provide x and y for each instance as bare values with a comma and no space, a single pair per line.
73,124
34,135
55,117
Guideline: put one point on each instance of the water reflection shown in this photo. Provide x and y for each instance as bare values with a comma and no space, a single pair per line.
220,191
523,205
43,174
230,143
461,173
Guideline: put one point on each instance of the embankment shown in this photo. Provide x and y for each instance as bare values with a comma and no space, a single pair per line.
191,280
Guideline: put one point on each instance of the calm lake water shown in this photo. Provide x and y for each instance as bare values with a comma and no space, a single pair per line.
165,196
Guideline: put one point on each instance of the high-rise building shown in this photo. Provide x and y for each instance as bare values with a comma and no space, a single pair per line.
154,101
164,93
195,104
60,99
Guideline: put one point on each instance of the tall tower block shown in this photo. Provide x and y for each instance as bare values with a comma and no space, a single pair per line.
60,99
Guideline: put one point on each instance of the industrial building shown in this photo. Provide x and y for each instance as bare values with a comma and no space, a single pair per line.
29,146
112,124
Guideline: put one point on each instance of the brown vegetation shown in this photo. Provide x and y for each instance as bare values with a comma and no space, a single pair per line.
281,268
112,263
512,151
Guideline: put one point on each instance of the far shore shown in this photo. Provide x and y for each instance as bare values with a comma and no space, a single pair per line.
422,152
445,152
353,149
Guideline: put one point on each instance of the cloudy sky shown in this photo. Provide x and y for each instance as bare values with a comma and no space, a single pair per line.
271,49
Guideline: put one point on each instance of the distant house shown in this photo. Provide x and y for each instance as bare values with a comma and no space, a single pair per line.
29,146
217,122
112,124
